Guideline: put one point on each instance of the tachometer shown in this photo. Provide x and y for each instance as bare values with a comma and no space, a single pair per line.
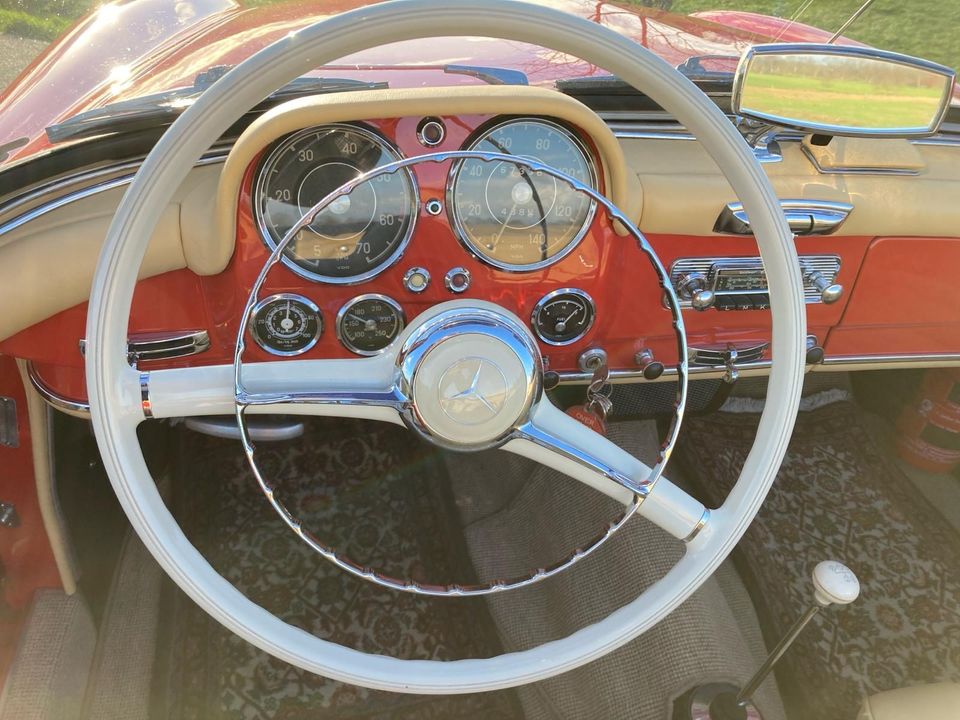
519,220
359,234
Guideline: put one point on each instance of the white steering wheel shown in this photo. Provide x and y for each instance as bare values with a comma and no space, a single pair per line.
525,422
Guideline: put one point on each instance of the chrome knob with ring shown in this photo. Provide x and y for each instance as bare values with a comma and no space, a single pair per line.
694,287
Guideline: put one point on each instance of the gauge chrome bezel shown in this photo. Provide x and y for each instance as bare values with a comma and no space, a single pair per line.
262,175
457,225
262,304
341,336
550,296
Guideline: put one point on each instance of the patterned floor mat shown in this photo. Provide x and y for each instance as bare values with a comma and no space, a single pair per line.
839,495
376,493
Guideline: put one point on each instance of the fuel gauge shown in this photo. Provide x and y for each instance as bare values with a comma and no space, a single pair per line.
286,324
563,316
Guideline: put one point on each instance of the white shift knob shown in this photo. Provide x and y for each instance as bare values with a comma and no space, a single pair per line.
834,583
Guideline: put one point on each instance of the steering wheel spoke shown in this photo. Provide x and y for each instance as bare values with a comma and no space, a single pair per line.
553,438
361,388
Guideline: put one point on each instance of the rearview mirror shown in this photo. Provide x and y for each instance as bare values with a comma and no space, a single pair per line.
842,90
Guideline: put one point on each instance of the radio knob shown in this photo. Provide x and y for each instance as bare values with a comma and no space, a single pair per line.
829,292
693,287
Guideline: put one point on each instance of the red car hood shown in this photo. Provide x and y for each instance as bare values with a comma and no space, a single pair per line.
126,50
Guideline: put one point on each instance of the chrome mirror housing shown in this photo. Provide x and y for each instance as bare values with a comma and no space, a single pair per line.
841,90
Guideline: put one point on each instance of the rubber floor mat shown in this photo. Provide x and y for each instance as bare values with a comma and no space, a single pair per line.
376,493
840,496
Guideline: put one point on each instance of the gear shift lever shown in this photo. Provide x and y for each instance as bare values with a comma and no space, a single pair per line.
833,584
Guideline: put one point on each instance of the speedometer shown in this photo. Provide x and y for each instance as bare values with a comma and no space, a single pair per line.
359,234
515,219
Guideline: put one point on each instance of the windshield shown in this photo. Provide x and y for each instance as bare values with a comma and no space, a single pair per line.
61,60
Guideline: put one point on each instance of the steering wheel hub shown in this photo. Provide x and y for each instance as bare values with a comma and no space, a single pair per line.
471,375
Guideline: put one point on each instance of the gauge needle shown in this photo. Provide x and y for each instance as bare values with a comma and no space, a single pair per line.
496,240
368,323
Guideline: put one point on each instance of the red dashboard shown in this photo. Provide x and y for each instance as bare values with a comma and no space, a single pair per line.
612,269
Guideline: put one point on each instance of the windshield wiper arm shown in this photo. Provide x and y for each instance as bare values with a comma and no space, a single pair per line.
151,111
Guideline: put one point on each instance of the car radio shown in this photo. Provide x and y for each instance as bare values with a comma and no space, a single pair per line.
740,283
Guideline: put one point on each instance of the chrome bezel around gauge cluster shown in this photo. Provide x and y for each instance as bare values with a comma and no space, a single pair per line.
547,299
341,336
262,176
457,225
279,297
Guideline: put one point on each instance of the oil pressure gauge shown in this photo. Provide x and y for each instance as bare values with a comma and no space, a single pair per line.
369,323
286,324
563,316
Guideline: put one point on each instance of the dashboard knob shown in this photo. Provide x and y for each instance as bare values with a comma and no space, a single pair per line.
693,287
702,299
652,368
815,353
829,292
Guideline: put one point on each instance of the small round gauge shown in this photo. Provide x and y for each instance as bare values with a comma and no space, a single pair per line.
369,323
286,324
515,219
359,234
563,316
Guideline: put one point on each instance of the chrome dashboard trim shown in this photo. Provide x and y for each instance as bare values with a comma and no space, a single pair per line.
33,204
827,265
457,225
260,178
74,408
805,217
162,346
834,364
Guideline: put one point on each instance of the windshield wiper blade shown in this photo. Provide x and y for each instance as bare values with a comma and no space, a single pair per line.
152,111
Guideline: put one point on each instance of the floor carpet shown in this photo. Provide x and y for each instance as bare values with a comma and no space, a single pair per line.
840,495
374,492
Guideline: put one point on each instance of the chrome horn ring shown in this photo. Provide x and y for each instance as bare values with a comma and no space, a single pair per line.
421,340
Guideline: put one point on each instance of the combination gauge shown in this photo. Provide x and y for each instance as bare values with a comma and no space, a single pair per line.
286,324
563,316
369,323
